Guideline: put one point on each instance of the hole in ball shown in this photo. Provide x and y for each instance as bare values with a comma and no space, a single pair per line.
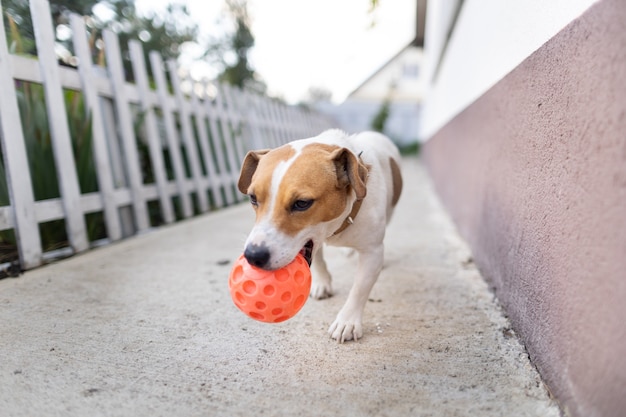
269,290
299,277
260,305
286,296
256,315
249,287
281,275
237,273
240,298
299,301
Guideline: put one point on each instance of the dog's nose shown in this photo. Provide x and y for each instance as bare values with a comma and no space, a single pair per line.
257,255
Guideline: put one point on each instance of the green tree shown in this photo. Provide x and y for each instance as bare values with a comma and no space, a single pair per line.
319,94
164,32
380,119
231,52
17,12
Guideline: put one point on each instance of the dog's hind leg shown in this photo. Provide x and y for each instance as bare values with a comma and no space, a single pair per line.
348,324
321,286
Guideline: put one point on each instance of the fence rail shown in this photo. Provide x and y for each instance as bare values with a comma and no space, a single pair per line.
193,136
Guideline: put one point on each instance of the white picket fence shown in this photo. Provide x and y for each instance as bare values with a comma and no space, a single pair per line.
208,133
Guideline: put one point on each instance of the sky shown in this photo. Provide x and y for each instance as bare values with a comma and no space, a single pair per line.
329,44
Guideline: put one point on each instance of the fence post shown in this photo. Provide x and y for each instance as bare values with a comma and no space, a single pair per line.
188,136
203,137
265,106
228,137
235,110
100,149
171,134
16,165
254,141
127,133
152,131
59,130
215,115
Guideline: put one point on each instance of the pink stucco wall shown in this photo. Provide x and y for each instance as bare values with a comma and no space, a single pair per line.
534,174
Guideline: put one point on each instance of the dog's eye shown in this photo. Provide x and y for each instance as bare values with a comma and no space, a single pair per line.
253,200
301,205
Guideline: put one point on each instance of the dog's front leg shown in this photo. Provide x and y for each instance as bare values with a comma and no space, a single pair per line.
348,324
321,286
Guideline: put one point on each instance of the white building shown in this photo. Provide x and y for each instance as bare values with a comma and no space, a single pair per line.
400,82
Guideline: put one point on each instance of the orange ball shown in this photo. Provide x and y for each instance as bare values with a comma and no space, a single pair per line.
270,296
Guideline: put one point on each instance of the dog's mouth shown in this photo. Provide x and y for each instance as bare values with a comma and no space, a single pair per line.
307,251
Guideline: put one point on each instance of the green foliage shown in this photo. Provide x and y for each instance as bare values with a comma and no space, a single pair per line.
165,32
36,130
410,148
32,106
19,12
240,43
16,43
380,119
237,71
39,149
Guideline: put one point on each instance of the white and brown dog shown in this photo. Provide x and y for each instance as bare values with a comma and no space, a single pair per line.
335,189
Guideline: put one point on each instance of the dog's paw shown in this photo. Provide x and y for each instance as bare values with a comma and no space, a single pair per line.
321,290
345,330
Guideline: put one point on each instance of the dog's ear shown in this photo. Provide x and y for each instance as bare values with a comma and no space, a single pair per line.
350,171
250,162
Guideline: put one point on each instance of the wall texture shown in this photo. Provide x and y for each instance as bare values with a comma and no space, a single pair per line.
534,174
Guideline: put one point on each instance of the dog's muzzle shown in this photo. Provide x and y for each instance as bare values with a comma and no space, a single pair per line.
257,255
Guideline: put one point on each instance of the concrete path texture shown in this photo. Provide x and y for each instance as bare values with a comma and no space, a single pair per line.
146,327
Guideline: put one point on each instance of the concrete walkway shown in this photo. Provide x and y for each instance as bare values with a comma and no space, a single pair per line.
146,327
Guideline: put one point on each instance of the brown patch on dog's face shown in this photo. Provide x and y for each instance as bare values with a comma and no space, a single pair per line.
312,177
248,168
260,175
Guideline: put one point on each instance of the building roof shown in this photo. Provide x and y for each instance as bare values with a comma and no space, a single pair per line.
417,41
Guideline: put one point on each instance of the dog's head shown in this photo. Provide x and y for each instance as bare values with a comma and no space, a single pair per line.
301,192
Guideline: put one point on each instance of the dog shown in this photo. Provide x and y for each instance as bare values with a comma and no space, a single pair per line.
334,189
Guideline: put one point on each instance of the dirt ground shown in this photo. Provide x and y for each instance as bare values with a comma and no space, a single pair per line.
147,327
